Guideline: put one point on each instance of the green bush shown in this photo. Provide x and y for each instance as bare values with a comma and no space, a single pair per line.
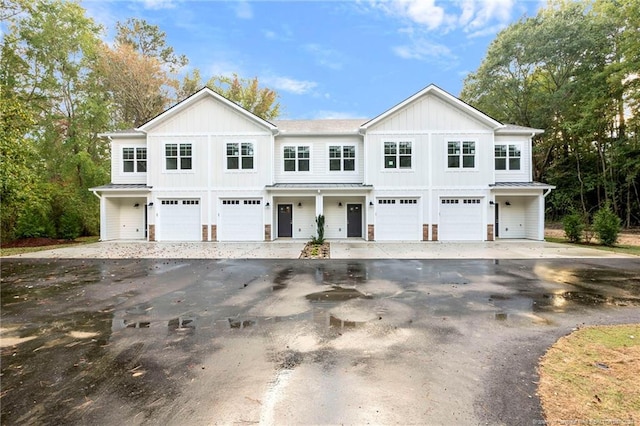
606,225
70,225
319,238
573,225
33,222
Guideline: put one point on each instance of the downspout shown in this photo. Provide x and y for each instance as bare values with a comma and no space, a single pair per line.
547,193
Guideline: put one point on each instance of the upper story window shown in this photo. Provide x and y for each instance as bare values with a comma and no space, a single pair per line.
178,156
398,155
507,157
134,160
296,158
342,157
461,154
240,156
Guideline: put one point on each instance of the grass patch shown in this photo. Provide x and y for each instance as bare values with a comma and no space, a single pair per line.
624,249
591,377
21,250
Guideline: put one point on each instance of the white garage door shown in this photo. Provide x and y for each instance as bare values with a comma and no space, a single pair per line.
397,219
241,220
460,219
179,220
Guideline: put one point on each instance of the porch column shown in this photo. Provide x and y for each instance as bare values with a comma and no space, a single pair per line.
541,217
319,204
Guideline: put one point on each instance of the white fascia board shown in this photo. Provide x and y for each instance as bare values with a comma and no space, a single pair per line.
447,97
197,96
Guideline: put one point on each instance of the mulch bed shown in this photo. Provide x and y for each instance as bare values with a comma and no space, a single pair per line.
36,242
316,251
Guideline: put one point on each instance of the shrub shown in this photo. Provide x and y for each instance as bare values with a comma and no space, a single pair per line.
573,226
319,238
606,225
70,225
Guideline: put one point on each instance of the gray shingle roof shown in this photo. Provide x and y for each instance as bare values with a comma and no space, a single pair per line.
303,127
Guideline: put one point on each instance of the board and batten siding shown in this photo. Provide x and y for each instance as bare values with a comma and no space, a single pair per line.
429,113
208,116
319,160
532,217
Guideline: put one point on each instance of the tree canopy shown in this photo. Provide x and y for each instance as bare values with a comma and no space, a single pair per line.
60,86
572,70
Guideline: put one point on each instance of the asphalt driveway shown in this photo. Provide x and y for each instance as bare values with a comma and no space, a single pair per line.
200,342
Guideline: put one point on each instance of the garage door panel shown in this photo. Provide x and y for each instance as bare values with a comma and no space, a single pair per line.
397,219
180,220
460,219
241,220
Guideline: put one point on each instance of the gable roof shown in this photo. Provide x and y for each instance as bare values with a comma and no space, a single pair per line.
443,95
200,94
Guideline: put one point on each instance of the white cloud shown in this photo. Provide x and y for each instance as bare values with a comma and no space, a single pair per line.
327,58
425,50
490,11
286,84
474,17
158,4
243,10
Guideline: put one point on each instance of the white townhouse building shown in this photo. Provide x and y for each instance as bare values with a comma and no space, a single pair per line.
432,168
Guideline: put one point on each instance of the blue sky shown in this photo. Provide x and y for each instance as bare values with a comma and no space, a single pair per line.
328,59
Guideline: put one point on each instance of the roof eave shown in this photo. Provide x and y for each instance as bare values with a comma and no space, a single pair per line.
205,91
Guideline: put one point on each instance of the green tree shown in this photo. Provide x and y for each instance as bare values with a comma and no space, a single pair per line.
50,73
149,41
570,71
247,93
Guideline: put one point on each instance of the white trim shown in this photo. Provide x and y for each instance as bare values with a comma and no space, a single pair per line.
401,133
460,168
254,144
135,173
356,163
447,97
398,169
296,159
205,134
520,145
178,170
204,92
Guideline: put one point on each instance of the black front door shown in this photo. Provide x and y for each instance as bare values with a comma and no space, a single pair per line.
354,220
285,220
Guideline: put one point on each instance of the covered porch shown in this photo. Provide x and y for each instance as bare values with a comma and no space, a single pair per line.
123,211
296,206
519,209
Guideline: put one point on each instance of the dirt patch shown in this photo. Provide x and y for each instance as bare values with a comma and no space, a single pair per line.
590,377
628,237
316,251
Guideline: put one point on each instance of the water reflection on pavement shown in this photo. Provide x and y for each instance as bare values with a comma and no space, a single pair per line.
259,341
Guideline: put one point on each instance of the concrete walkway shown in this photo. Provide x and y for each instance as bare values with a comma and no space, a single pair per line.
340,249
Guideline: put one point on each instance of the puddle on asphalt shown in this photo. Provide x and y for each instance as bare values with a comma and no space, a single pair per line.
337,294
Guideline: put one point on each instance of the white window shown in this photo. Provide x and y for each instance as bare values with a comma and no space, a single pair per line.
240,156
342,157
398,155
461,154
134,160
296,158
507,157
178,156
